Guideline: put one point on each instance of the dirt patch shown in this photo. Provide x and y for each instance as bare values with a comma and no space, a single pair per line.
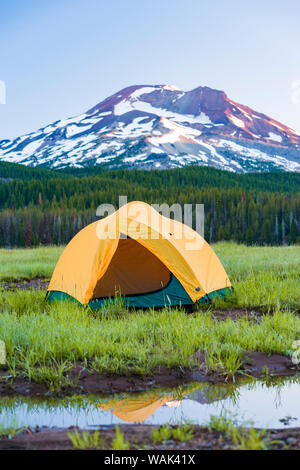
140,437
25,284
84,381
258,364
237,313
254,314
88,381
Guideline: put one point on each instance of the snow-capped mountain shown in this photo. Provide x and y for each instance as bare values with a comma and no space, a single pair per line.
160,127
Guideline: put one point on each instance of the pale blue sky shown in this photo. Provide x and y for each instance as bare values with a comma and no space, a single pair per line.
58,58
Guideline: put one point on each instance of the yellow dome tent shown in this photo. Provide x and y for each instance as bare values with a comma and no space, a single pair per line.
149,259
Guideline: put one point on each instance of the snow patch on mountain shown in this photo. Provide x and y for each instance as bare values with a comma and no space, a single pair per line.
236,121
275,137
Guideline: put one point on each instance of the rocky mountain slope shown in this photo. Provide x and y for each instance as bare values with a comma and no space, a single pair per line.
161,127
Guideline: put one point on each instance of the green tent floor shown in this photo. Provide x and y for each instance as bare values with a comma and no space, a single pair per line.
173,294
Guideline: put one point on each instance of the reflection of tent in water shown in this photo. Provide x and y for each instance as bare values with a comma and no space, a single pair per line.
136,410
139,408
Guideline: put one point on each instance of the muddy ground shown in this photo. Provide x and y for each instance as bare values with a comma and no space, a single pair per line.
25,284
84,381
140,437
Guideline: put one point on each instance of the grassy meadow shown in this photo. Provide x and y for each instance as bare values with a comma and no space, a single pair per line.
44,340
24,263
261,276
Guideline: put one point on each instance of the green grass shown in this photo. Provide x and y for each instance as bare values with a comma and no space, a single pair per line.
86,440
243,438
44,340
240,259
261,276
182,433
9,430
24,263
248,439
40,335
119,442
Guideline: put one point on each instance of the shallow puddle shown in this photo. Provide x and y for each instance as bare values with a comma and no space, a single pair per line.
263,404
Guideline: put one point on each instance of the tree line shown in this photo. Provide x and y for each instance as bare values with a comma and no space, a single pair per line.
252,209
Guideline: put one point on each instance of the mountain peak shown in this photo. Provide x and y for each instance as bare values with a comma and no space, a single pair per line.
161,126
171,88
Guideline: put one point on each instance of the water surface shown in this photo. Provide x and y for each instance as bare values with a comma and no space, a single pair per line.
274,404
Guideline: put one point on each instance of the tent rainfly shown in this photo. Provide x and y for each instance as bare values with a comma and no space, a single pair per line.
149,259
